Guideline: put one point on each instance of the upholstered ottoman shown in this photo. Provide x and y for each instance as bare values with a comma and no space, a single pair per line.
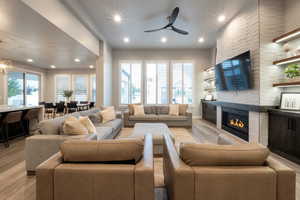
157,130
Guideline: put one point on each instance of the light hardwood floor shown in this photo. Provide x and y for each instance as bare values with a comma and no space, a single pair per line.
16,185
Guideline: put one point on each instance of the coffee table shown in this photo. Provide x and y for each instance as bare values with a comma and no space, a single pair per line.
157,130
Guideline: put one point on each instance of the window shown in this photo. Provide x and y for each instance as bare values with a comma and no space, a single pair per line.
32,89
62,83
23,89
15,88
93,88
182,83
80,84
162,83
131,83
157,83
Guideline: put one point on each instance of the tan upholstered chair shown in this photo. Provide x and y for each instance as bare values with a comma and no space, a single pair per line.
225,173
106,169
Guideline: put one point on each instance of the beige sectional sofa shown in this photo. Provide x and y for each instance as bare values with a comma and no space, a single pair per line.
82,172
49,136
154,114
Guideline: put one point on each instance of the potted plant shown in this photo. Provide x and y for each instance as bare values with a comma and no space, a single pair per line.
292,71
68,94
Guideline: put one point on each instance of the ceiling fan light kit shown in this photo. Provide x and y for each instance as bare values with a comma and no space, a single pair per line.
172,18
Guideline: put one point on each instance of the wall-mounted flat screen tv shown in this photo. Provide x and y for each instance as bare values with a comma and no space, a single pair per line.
234,74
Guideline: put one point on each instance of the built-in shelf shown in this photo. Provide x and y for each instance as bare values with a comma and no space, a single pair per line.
285,61
209,79
295,34
291,83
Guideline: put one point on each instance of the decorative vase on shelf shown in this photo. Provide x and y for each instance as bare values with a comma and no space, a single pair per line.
287,49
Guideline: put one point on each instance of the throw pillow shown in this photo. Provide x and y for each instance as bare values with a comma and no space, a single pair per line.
174,109
139,110
108,114
131,108
72,126
96,118
183,109
85,121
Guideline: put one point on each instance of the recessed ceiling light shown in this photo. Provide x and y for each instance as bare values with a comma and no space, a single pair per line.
126,40
77,60
117,18
29,60
221,18
163,39
91,66
201,40
53,66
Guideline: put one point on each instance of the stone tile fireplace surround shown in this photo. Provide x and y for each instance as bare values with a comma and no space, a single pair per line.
247,122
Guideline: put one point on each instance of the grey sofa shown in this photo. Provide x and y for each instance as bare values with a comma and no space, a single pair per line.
154,114
49,136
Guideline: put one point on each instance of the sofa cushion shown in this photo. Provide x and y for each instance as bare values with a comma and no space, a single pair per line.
85,121
89,112
114,124
138,110
96,118
183,109
174,109
104,133
131,108
54,126
150,110
162,110
223,155
108,114
143,117
172,118
73,126
102,151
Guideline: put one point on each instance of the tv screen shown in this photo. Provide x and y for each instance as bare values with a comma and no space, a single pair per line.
234,73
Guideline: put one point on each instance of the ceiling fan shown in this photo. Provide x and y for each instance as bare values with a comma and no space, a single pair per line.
172,18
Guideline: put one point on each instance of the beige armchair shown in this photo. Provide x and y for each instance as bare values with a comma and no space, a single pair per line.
123,169
227,173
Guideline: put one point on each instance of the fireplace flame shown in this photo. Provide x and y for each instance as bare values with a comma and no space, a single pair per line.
237,123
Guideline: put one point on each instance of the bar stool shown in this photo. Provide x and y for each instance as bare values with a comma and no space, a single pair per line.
11,118
32,114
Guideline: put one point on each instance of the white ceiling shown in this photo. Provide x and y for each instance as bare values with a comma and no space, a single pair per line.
26,34
199,17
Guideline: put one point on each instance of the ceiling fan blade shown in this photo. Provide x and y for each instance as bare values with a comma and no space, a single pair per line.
154,30
174,16
179,31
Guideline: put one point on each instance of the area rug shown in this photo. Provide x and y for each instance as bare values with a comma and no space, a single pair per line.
182,135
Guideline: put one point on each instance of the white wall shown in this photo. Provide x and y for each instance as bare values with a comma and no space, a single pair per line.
107,75
60,16
201,58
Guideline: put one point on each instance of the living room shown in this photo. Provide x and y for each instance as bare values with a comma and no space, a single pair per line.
149,100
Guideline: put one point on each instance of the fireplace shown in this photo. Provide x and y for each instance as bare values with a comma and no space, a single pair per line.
236,122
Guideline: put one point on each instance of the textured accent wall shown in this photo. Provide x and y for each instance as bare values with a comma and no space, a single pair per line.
271,18
239,36
292,14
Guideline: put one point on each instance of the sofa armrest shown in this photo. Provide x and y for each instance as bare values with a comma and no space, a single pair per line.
286,180
119,115
45,177
144,173
39,148
189,114
126,118
179,177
